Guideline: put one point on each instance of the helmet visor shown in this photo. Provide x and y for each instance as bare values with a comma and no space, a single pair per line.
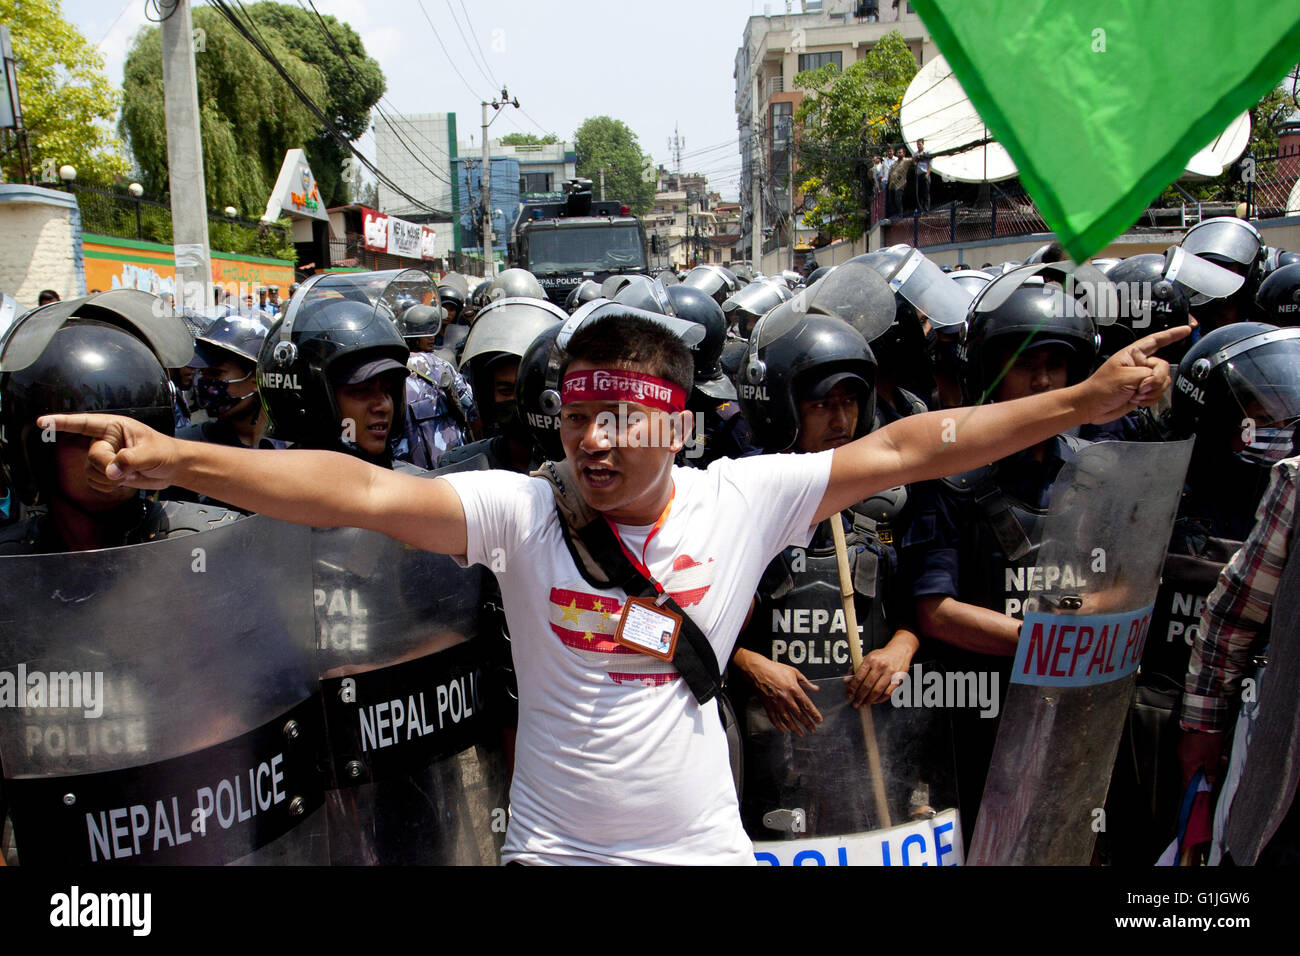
856,293
1265,379
933,293
379,291
1200,276
691,333
1231,238
142,313
647,294
509,326
755,299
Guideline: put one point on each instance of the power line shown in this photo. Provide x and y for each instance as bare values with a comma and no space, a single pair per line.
489,75
450,62
324,27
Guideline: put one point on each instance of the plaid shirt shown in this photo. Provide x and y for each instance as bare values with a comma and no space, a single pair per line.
1238,607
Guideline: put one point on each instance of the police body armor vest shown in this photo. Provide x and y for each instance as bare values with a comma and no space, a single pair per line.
799,619
1185,583
998,555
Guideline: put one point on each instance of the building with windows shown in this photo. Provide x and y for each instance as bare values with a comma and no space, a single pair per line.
776,47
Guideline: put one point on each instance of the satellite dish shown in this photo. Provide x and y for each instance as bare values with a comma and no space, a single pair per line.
1222,151
1293,200
936,109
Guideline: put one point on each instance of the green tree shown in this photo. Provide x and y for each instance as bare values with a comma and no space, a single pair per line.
528,139
609,143
68,104
354,82
248,116
844,116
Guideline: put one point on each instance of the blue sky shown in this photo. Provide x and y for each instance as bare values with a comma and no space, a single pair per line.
654,65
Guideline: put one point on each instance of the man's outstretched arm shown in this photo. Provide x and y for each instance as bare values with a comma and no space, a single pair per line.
935,444
321,488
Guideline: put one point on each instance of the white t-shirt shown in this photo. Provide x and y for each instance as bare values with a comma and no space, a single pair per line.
615,761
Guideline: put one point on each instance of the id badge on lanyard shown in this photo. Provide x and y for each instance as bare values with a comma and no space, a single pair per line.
645,625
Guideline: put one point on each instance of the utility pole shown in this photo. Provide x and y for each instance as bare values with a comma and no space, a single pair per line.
185,157
755,182
489,259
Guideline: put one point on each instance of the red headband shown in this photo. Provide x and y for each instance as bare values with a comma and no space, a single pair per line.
620,385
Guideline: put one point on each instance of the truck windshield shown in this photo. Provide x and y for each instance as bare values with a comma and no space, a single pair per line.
600,248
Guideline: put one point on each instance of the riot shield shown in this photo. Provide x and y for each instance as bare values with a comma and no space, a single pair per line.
160,701
815,800
1109,522
416,767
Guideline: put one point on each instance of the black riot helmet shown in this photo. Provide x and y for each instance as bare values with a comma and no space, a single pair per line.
453,290
339,323
748,305
1230,242
972,280
420,322
1149,302
514,284
1275,258
85,366
921,284
696,306
581,294
234,335
782,363
642,292
542,361
717,282
1279,295
502,332
820,272
1241,379
1018,311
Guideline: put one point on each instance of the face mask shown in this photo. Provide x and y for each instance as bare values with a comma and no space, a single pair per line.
214,395
1270,446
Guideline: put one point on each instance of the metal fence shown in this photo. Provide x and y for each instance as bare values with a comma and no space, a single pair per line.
1005,212
1269,183
120,214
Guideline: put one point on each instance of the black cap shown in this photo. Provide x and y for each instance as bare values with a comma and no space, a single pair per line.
820,388
365,370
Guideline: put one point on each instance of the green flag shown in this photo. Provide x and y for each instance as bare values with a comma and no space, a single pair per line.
1102,102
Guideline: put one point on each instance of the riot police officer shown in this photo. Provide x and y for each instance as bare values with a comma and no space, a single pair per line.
226,352
514,284
1236,245
817,392
1235,394
440,408
749,304
117,363
496,344
970,549
713,399
332,374
1279,295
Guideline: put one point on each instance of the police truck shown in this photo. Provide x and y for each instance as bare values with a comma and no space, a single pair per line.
564,241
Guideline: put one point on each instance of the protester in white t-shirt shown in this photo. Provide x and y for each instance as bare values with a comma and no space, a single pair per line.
616,760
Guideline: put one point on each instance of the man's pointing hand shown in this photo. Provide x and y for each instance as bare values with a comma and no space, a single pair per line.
122,451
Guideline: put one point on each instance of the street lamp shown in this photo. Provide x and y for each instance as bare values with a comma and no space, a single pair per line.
136,191
67,174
